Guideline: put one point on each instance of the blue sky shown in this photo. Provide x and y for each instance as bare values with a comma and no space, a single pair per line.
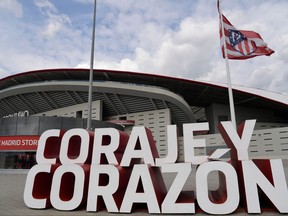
168,37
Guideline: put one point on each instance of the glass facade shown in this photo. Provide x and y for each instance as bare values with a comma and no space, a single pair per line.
17,160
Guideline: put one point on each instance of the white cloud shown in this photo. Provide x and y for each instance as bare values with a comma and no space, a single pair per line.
56,21
192,49
29,46
188,52
12,6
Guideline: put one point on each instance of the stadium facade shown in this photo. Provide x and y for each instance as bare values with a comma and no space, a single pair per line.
35,101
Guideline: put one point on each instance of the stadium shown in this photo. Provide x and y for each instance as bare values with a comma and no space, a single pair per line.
35,101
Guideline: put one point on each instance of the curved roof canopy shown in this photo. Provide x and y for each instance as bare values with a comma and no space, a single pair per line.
125,92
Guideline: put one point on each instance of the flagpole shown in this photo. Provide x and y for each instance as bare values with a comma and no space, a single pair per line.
230,93
91,71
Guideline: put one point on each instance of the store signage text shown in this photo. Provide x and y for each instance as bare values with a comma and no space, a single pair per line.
19,143
24,113
109,170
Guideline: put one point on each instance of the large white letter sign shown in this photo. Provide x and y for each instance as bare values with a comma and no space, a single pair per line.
190,143
67,143
60,200
142,137
141,173
33,188
96,189
169,204
253,177
102,147
50,147
238,142
232,191
172,146
107,169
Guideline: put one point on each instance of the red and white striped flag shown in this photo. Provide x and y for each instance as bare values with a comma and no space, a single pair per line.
241,44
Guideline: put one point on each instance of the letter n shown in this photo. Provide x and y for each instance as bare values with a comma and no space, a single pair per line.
269,176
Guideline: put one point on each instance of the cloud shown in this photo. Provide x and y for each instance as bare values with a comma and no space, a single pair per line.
12,6
56,21
191,49
30,46
188,51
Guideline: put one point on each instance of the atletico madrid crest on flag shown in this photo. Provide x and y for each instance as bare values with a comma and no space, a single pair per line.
240,43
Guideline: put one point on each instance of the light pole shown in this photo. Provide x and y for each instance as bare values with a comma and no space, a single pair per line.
91,71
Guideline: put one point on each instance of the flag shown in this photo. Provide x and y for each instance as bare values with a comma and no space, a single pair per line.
241,44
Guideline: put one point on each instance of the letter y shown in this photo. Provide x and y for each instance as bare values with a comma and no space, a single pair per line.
238,140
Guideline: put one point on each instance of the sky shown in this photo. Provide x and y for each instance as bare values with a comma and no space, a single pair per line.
178,38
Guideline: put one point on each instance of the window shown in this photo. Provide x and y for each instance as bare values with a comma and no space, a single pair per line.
79,114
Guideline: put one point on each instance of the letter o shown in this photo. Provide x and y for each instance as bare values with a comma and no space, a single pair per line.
84,146
58,187
232,189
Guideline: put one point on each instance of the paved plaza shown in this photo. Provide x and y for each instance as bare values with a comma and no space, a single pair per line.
12,184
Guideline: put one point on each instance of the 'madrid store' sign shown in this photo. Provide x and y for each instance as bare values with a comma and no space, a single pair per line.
109,170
